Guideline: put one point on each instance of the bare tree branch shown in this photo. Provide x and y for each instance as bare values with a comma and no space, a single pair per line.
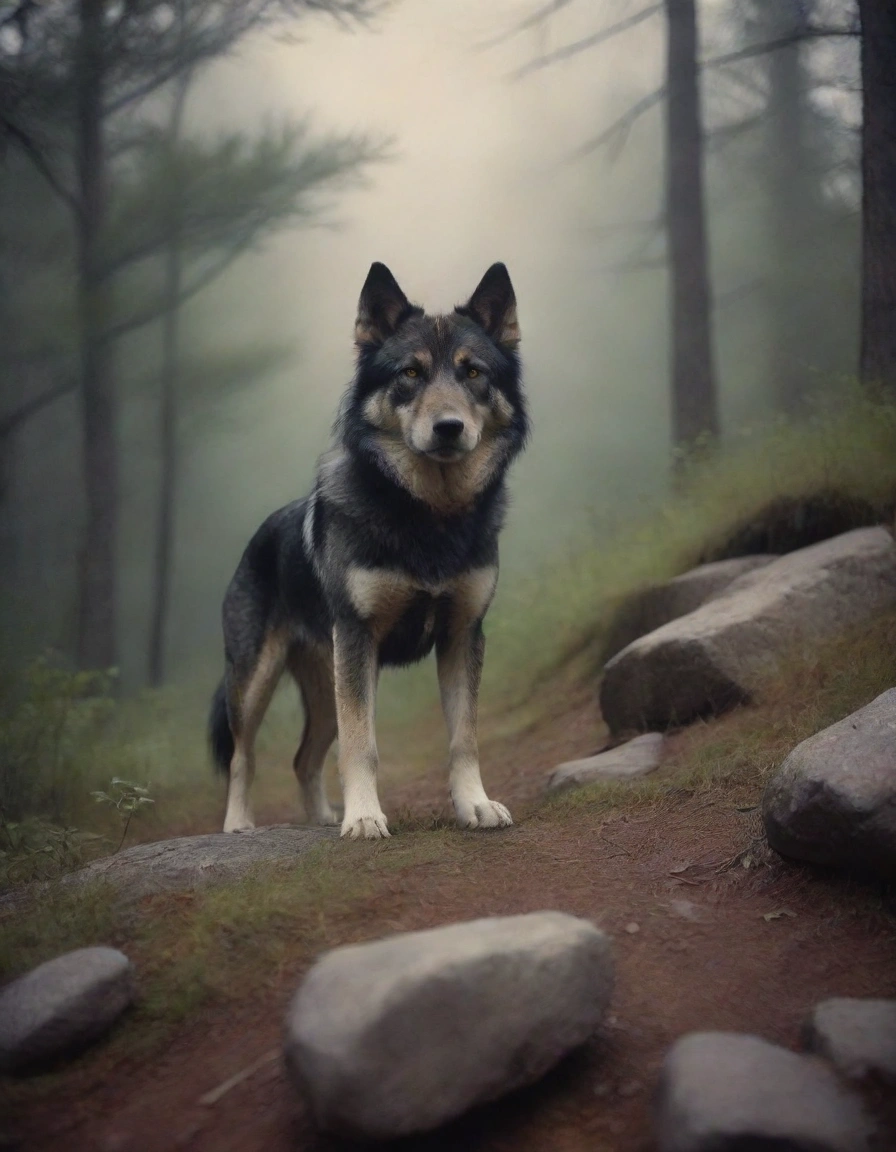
588,42
616,135
10,422
537,17
37,158
752,50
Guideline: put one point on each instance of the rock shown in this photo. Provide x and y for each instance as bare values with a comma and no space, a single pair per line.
188,862
833,800
62,1005
398,1036
628,761
658,604
723,1091
718,655
857,1036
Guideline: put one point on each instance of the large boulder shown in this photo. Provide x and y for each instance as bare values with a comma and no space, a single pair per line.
398,1036
656,605
833,800
629,761
718,655
189,862
62,1005
727,1092
857,1036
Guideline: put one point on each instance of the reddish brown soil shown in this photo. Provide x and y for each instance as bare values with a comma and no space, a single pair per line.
693,948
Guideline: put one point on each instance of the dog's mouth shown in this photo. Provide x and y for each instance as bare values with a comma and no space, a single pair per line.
446,454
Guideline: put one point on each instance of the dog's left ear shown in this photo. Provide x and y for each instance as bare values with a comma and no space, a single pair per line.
493,307
381,306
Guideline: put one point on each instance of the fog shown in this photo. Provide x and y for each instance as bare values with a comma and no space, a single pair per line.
483,167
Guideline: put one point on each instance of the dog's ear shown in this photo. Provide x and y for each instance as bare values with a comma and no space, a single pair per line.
381,307
493,307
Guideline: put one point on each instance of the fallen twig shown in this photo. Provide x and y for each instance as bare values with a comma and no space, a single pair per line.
215,1094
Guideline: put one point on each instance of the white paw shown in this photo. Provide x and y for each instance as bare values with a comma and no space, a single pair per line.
372,827
483,814
327,818
239,824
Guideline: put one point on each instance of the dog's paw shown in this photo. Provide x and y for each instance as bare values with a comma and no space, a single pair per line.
239,824
327,819
370,827
485,814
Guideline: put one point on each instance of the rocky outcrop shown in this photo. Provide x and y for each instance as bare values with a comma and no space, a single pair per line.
188,862
656,605
62,1006
398,1036
635,758
833,800
727,1092
718,655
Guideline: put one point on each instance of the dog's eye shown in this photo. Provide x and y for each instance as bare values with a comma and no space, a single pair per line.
412,373
472,373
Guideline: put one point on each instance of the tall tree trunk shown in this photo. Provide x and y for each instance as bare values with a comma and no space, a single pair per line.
878,341
792,196
694,398
96,639
164,547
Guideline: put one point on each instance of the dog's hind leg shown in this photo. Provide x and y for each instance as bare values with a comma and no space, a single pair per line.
314,675
459,653
248,698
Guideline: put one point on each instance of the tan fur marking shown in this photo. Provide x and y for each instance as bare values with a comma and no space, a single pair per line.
379,596
447,488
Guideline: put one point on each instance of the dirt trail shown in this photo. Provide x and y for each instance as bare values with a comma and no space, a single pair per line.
694,951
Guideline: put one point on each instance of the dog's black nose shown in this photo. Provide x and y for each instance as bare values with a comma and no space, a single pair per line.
448,429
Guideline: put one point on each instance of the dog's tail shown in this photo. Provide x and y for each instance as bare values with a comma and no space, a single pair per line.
220,738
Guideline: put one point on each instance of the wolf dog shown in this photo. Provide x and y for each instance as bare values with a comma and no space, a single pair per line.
394,553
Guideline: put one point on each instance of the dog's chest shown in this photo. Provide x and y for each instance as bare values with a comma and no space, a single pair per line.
406,615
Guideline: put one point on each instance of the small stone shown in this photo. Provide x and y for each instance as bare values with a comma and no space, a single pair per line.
62,1005
857,1036
635,758
727,1092
399,1036
633,929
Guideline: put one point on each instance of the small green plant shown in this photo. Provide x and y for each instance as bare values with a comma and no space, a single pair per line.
34,849
127,798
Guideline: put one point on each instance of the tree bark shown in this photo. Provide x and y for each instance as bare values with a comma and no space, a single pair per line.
694,394
792,192
878,339
96,639
164,547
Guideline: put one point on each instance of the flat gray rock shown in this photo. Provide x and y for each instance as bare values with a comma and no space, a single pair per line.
727,1092
62,1005
833,800
401,1035
636,758
656,605
188,862
857,1036
718,655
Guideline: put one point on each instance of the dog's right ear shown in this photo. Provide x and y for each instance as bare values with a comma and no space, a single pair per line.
381,308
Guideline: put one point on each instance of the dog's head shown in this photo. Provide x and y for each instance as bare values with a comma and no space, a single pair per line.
437,399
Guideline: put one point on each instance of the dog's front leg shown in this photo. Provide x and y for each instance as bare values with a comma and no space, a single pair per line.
355,672
460,655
